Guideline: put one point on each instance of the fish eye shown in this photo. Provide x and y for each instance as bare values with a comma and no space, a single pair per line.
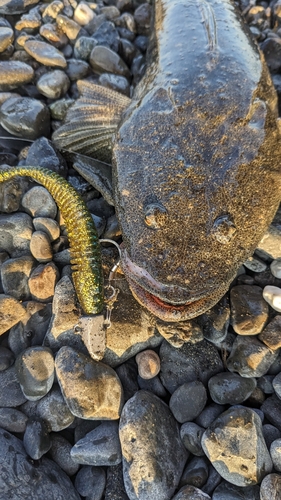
223,229
155,215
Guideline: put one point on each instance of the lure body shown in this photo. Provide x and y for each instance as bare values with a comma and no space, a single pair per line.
83,239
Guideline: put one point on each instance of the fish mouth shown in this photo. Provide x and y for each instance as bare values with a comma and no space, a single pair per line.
167,302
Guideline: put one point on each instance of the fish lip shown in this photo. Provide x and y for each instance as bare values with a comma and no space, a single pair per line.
152,294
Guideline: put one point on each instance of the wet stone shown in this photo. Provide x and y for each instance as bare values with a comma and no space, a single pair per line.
271,487
25,117
52,35
53,84
188,363
59,108
35,371
230,388
60,453
12,420
215,322
256,265
249,311
6,359
191,435
275,453
39,203
115,82
11,193
90,482
153,455
180,405
250,357
13,74
36,439
21,478
104,60
11,394
45,53
100,447
52,409
226,444
91,389
189,492
14,276
270,336
227,491
11,312
196,472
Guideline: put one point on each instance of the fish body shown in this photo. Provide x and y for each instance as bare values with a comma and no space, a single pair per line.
85,254
195,154
196,159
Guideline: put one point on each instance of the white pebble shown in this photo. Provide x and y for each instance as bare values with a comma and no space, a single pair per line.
275,268
272,295
83,14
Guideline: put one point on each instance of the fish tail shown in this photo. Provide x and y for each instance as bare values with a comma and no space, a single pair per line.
83,238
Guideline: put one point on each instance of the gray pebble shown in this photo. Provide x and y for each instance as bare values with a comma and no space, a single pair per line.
52,10
188,363
180,400
270,433
6,38
115,82
189,492
128,375
11,394
230,388
270,336
227,491
59,108
45,53
191,435
107,35
215,322
39,203
53,35
36,439
53,84
271,487
25,117
99,447
14,276
249,311
13,74
275,453
90,482
212,482
6,359
12,420
30,21
127,51
83,426
153,385
60,453
35,372
111,12
196,472
142,17
83,47
265,384
250,357
271,48
49,226
42,153
76,70
20,478
42,282
272,410
151,448
104,60
11,193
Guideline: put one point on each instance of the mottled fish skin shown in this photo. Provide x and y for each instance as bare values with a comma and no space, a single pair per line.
196,159
83,238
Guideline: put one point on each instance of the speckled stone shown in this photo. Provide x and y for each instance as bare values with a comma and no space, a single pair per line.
45,53
177,334
148,363
11,312
230,388
35,369
249,311
14,277
60,453
13,74
11,394
153,454
6,38
250,357
12,420
15,233
226,444
11,193
100,447
42,282
270,244
90,388
271,487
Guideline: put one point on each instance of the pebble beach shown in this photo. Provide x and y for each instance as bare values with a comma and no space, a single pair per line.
144,409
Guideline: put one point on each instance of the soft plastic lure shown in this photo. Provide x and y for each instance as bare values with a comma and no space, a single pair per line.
83,239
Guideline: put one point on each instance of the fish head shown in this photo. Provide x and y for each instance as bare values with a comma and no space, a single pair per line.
188,200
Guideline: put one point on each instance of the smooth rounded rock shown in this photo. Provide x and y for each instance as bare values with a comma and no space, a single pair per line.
100,447
90,482
60,453
275,453
180,402
272,410
249,311
42,282
25,117
54,84
15,233
40,247
196,472
271,487
39,203
275,268
148,364
11,394
83,14
272,295
36,439
191,435
6,38
227,491
104,60
13,74
270,336
42,153
230,388
45,53
235,446
91,389
6,359
250,357
35,371
189,492
12,420
153,454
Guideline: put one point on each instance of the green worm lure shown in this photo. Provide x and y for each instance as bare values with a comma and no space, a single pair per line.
85,255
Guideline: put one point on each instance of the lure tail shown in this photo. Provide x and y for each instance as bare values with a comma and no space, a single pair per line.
83,239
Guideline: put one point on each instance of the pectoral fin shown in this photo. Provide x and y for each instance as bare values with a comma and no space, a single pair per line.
91,121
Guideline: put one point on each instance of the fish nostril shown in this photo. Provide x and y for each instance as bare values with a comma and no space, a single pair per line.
155,215
224,229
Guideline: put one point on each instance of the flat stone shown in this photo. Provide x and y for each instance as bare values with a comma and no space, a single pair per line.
235,446
20,478
6,38
13,74
91,389
100,447
40,247
25,117
11,312
12,420
250,357
153,454
15,233
45,53
249,311
42,153
35,369
53,84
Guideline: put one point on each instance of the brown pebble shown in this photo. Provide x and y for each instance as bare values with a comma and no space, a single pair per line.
148,364
40,246
42,282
